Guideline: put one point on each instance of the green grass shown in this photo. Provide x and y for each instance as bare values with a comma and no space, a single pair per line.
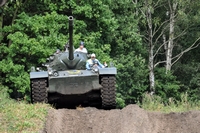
18,116
155,103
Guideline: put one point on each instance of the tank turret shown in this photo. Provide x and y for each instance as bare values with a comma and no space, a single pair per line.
68,59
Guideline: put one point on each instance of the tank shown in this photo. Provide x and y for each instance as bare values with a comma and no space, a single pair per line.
67,82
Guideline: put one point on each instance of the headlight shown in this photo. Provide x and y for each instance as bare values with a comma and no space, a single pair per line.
50,71
96,70
38,69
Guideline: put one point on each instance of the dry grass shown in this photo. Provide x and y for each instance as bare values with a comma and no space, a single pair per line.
21,117
155,103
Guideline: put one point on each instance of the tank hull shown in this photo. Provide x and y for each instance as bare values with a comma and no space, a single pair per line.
75,87
73,82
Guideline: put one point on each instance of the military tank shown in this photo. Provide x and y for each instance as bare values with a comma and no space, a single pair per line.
67,82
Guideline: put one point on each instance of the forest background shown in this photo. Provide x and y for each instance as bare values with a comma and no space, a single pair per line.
153,43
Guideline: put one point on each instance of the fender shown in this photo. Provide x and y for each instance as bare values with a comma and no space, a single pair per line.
108,71
41,74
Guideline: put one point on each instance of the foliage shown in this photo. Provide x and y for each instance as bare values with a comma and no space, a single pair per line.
188,75
32,41
120,101
126,38
166,85
131,78
128,52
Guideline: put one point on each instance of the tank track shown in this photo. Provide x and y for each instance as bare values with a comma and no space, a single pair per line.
108,92
39,91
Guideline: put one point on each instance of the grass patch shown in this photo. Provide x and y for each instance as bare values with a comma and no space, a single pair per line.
155,103
19,116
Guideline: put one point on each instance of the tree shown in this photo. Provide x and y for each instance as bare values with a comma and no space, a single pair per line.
161,33
147,9
176,8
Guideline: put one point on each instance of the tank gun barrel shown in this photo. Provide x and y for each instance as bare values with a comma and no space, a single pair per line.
71,52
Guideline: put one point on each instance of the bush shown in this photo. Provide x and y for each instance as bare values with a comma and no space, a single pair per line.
166,85
131,78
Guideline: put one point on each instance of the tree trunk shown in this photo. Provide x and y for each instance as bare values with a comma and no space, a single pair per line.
151,70
171,37
2,2
151,47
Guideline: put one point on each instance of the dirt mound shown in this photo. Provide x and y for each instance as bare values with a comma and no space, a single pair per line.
131,119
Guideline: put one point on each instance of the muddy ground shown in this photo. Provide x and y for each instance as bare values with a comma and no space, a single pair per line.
131,119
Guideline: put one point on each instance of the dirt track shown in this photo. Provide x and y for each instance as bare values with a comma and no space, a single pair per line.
131,119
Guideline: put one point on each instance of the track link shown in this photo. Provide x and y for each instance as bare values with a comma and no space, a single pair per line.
108,92
39,91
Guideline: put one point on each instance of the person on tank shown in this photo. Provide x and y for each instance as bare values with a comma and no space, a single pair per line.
81,48
93,61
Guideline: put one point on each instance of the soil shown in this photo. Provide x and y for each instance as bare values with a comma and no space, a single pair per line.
131,119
